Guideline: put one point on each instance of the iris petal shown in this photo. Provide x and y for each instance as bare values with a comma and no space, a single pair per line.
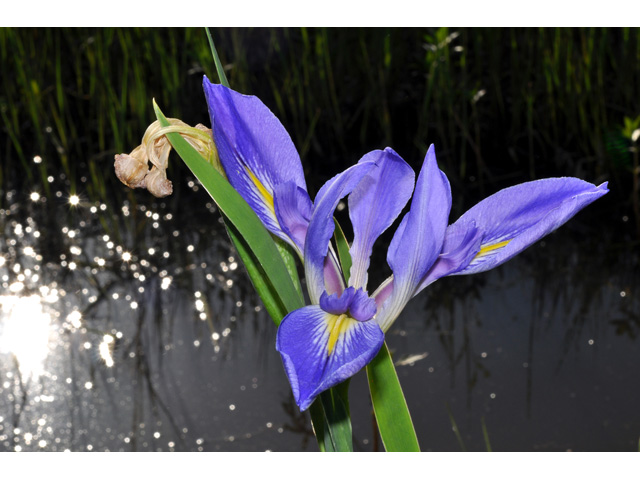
516,217
254,148
362,307
337,303
373,206
320,350
461,245
321,225
293,210
419,238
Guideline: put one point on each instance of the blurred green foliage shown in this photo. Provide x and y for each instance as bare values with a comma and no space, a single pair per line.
501,105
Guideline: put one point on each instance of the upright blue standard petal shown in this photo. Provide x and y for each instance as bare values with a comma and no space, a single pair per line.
373,206
419,238
321,225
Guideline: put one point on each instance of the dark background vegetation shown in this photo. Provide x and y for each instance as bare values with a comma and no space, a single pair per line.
501,105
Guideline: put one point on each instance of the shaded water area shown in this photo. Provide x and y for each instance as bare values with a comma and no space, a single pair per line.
128,324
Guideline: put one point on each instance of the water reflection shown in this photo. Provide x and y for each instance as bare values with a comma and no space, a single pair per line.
113,323
128,327
534,348
24,332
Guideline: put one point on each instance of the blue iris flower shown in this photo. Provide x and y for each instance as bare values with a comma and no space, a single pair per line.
328,341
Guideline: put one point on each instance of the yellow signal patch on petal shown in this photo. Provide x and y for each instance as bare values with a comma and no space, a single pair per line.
337,325
268,198
485,249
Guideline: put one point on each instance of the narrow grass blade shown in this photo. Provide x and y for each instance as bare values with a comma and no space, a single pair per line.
289,259
248,225
341,395
320,427
331,420
456,431
216,59
390,407
485,434
342,390
338,420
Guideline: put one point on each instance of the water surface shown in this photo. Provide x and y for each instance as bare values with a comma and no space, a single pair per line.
132,327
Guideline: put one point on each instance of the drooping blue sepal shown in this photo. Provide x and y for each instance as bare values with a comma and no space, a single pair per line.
461,245
516,217
255,150
320,350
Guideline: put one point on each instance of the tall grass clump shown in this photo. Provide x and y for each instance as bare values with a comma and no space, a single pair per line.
501,105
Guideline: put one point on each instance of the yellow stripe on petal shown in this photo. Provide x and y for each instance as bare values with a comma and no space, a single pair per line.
337,325
485,249
268,198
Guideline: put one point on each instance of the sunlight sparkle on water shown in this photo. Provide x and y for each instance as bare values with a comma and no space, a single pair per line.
24,331
74,318
105,349
74,200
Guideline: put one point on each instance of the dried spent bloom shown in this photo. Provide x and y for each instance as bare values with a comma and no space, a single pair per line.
158,184
133,169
